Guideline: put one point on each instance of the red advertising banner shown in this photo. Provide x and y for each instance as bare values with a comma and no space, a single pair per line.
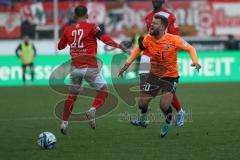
193,17
226,16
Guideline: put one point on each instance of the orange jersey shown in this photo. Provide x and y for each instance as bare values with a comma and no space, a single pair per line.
164,54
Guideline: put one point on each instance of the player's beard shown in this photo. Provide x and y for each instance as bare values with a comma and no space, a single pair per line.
154,32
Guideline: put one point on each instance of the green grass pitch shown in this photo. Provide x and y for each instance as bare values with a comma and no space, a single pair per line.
211,133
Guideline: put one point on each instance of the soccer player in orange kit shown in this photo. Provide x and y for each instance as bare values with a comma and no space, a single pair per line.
164,72
145,58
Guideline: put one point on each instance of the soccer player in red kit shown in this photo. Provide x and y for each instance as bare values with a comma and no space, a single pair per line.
145,58
82,39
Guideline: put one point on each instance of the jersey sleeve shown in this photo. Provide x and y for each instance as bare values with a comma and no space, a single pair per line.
173,27
134,54
97,31
143,42
142,45
63,41
184,45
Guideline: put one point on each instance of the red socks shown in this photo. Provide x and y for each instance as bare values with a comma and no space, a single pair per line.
68,106
69,102
100,98
176,103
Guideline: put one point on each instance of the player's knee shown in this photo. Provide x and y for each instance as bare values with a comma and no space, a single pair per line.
164,105
106,94
74,90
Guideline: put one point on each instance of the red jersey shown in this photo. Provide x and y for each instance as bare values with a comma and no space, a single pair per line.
172,26
82,39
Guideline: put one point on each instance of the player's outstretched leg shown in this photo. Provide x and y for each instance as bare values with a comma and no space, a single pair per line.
68,107
99,100
167,110
167,125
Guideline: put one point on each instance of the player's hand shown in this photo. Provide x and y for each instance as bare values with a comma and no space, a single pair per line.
124,48
124,68
197,66
127,44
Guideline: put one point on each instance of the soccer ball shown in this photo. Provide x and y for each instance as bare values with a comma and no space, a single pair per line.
46,140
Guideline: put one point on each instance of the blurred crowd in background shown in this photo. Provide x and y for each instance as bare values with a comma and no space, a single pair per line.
208,24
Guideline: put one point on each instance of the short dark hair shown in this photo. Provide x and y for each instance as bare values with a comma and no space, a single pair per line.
80,11
163,19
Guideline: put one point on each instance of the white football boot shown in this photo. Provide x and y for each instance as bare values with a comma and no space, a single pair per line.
64,127
91,115
180,118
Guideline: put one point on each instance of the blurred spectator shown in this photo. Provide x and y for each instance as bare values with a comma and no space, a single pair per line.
26,52
6,2
231,43
27,28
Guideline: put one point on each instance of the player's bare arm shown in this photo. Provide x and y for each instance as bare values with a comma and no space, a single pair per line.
134,54
109,41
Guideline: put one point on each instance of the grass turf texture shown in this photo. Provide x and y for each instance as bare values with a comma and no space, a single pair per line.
213,132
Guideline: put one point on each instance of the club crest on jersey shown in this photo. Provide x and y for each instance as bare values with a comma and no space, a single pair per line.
166,46
98,28
77,25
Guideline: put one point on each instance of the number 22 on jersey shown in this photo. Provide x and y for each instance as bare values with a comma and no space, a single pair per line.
78,35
